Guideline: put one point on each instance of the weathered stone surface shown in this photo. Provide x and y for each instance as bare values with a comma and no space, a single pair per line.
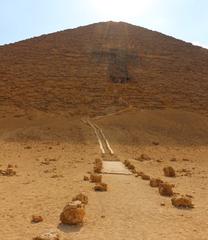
169,171
73,213
182,202
165,189
155,182
95,178
49,235
82,198
36,219
101,187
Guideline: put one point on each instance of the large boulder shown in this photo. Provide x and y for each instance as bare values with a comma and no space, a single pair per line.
73,213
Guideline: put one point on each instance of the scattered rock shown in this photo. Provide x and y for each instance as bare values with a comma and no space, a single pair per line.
36,219
98,165
86,178
9,172
82,198
95,178
101,187
185,160
134,171
155,143
182,202
139,174
155,182
131,167
127,163
27,147
145,177
143,157
48,235
162,204
169,171
173,159
165,189
185,172
73,213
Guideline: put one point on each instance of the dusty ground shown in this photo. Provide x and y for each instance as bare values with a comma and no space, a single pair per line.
53,153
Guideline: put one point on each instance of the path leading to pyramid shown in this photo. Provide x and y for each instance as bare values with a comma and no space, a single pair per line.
131,209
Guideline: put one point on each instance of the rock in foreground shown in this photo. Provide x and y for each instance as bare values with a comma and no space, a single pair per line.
73,213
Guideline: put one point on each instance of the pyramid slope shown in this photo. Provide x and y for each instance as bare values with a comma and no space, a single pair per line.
103,67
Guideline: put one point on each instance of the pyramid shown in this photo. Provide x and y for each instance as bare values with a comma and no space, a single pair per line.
102,68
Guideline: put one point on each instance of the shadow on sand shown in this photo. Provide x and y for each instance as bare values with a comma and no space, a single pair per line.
69,228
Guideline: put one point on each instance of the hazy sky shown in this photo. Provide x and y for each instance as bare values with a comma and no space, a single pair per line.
183,19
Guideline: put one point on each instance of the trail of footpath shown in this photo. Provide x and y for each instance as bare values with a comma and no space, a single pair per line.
130,209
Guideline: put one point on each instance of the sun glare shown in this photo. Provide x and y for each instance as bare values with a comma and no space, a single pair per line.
121,9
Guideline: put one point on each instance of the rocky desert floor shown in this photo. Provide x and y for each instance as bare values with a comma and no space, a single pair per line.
51,154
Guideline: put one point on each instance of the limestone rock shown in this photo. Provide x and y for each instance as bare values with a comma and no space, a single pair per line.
95,178
48,235
155,182
73,213
169,172
182,202
82,198
101,187
36,219
165,189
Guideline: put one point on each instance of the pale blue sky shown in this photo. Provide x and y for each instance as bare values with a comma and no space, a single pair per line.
183,19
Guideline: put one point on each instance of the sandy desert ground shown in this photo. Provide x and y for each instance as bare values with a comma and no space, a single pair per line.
53,153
